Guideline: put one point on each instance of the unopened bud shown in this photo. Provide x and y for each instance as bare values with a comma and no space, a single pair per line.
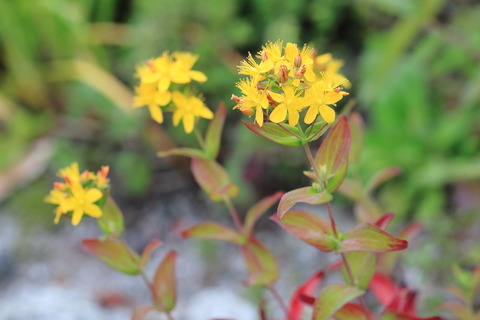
260,86
282,74
151,65
338,89
270,99
298,61
263,55
247,111
236,99
59,186
85,175
301,71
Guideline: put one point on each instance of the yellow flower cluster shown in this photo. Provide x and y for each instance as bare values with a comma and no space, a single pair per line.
79,193
162,86
287,80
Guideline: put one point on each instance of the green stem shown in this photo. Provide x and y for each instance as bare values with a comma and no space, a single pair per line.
280,301
233,213
199,137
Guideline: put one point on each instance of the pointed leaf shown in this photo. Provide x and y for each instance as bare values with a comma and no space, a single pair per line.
214,231
384,220
258,210
164,284
279,133
306,289
214,132
356,125
332,298
114,253
382,177
147,251
141,312
213,179
332,156
186,152
367,237
261,263
353,311
362,266
111,221
306,195
383,288
310,228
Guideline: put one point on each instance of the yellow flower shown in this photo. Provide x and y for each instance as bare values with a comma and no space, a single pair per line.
149,94
181,70
251,68
291,52
59,198
253,98
332,85
82,201
187,108
318,101
290,103
273,53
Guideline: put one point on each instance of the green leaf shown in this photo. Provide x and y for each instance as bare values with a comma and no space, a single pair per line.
147,251
214,132
111,221
141,312
352,311
303,195
214,231
367,237
213,179
186,152
258,210
114,253
316,130
261,263
310,228
362,265
331,159
279,133
356,125
164,284
381,177
332,298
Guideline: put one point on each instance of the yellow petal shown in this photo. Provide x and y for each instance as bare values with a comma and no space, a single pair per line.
93,210
310,75
198,76
156,113
291,51
278,114
259,116
163,98
327,113
276,96
188,123
205,113
293,117
93,195
311,114
77,216
177,116
163,84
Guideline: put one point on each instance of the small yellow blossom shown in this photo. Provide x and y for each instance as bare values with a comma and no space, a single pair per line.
181,70
318,101
251,68
291,52
253,98
59,198
290,104
82,201
187,108
70,174
149,95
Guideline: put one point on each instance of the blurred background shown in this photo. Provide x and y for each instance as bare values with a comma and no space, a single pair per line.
66,77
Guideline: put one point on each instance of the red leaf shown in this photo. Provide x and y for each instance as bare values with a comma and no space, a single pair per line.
257,210
114,253
332,298
332,157
164,284
310,228
367,237
307,288
147,251
383,288
261,263
303,195
384,220
214,231
352,311
141,312
213,179
214,132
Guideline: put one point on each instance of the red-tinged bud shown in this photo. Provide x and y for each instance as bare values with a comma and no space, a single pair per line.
338,89
247,111
301,72
260,86
237,99
59,186
151,65
344,93
298,61
68,180
84,175
282,74
270,99
104,171
263,55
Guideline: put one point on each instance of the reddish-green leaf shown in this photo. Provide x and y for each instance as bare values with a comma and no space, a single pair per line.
279,133
114,253
164,284
352,189
401,316
362,266
353,311
356,125
214,132
214,231
332,298
381,177
332,157
258,210
111,221
306,195
186,152
367,237
310,228
147,251
384,220
141,312
306,289
316,130
261,263
213,179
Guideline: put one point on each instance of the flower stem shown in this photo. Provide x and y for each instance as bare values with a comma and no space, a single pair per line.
233,213
280,301
199,137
